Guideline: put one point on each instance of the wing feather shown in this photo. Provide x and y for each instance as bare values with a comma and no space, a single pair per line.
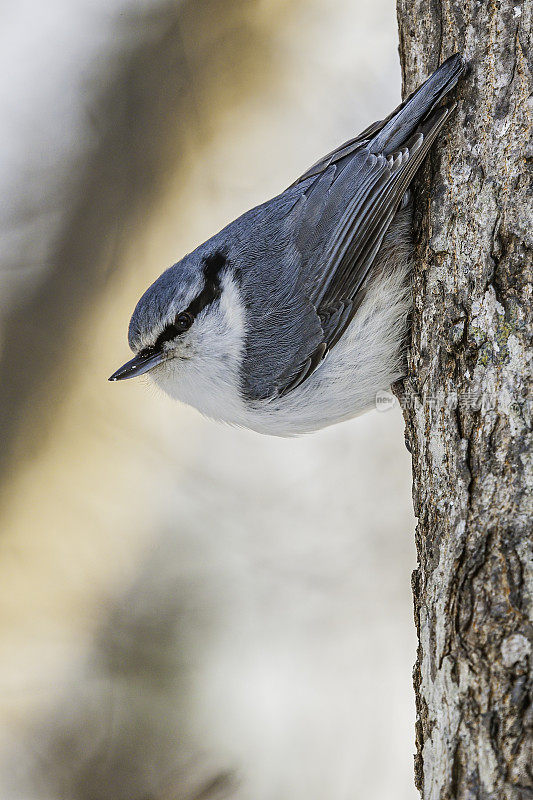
354,241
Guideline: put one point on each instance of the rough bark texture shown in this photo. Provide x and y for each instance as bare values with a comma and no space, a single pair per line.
468,407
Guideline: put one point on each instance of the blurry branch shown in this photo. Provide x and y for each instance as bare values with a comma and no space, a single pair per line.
143,106
468,409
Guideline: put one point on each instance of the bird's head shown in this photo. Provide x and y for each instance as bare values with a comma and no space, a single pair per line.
189,322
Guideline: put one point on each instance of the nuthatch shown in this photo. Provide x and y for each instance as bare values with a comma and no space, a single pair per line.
295,314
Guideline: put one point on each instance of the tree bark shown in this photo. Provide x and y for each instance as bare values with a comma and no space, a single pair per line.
468,405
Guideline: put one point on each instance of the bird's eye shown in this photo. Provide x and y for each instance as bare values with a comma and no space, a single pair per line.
184,321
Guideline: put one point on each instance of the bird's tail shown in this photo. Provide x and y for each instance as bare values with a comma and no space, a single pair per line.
405,119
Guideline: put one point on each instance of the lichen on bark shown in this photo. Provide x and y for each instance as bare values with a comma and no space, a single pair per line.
468,407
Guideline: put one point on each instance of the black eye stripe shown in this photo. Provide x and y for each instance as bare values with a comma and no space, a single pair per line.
211,291
213,266
168,333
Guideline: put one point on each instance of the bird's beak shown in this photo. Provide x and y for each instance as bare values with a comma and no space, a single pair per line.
139,365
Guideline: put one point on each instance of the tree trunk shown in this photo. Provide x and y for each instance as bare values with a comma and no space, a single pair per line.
468,405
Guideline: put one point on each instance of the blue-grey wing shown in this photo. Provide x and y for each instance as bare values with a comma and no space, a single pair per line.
339,225
316,245
319,240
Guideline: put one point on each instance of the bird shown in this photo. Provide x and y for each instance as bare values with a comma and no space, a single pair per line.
295,315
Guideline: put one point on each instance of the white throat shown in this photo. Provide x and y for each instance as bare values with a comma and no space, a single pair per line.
206,374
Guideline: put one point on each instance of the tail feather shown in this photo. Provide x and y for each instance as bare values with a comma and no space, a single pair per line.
389,134
408,116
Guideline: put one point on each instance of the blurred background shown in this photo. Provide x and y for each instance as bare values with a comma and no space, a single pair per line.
186,610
